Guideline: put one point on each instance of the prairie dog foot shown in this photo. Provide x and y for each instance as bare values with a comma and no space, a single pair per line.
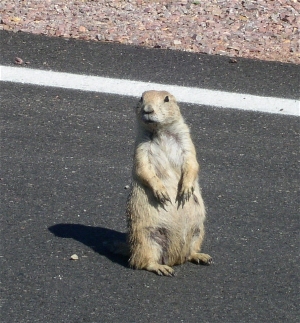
185,193
162,196
161,270
201,258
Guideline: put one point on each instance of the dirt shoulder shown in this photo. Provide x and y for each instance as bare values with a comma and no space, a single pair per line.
265,30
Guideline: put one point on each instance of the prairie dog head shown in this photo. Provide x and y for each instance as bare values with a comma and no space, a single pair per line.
157,109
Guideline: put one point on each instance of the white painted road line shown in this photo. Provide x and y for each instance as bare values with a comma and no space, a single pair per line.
135,88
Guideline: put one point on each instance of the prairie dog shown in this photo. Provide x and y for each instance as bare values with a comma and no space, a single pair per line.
165,210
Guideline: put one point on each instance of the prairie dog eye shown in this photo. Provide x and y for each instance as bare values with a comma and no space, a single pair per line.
166,99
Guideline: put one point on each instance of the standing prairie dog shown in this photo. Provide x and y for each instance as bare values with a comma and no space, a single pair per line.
165,210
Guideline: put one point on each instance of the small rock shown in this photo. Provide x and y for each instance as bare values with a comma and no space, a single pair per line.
18,61
234,47
82,29
100,37
216,12
243,18
16,19
74,257
177,42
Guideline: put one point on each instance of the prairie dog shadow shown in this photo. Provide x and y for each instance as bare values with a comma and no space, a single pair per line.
97,238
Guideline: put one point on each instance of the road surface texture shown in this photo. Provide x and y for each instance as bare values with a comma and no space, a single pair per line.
66,159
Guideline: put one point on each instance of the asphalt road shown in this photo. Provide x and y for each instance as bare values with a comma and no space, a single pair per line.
66,158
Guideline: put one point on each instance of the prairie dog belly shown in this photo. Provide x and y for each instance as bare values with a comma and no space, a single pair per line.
166,155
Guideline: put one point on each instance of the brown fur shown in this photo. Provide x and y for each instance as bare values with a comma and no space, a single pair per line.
165,210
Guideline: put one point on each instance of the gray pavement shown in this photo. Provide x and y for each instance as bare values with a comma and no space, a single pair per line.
66,159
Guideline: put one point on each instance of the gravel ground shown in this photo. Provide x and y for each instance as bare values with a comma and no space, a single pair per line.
266,30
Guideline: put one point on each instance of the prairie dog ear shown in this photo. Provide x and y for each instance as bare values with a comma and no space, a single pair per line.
167,99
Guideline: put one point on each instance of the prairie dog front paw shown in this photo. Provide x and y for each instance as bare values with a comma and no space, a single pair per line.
162,195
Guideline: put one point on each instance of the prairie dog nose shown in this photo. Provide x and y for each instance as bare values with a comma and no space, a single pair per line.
148,108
